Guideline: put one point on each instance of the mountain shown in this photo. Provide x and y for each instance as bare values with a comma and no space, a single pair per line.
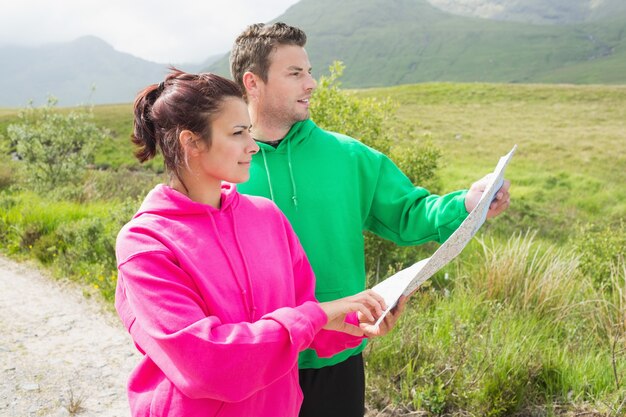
390,42
85,71
381,42
535,11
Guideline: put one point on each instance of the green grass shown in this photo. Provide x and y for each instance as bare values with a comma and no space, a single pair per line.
523,324
117,151
74,240
524,336
118,119
571,159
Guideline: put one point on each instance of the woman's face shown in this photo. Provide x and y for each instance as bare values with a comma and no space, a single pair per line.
232,146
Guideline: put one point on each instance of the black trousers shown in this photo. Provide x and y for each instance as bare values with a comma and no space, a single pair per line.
337,390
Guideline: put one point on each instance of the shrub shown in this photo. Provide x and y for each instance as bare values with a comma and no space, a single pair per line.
55,147
7,167
85,249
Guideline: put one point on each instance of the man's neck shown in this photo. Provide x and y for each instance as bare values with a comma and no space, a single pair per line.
266,133
265,129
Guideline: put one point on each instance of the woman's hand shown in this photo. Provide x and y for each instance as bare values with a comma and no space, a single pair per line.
388,322
368,304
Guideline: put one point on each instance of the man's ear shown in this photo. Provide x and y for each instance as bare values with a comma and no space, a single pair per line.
251,83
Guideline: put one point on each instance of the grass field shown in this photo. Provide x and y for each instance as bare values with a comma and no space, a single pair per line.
571,157
530,320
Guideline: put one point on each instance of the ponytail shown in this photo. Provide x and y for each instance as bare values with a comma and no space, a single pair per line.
144,131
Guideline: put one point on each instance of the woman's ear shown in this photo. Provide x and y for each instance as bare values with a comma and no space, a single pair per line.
188,142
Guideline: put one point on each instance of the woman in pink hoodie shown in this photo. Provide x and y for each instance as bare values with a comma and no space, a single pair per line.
213,286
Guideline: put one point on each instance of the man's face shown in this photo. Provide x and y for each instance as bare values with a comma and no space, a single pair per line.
284,98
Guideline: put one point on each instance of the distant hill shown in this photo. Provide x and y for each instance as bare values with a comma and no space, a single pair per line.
390,42
535,11
381,42
85,71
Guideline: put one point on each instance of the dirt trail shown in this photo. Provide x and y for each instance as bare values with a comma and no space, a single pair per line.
58,348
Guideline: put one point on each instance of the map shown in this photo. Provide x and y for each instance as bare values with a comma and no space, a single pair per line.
406,281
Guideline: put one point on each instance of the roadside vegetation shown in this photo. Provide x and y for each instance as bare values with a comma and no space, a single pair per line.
530,320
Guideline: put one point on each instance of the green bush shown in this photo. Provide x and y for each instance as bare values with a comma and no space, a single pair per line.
85,249
55,147
7,167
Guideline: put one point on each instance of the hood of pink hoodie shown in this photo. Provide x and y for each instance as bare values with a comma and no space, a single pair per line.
165,201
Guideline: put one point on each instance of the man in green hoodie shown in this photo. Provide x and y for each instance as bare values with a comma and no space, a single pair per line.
332,188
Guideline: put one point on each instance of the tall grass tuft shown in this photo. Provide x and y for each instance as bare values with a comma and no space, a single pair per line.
611,320
521,273
616,307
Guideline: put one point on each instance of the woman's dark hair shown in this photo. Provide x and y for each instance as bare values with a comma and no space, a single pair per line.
182,102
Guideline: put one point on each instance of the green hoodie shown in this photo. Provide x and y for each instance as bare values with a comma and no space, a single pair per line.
331,188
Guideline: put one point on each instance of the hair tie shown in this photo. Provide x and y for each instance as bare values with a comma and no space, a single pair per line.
161,87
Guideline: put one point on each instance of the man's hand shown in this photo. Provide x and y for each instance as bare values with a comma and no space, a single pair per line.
498,205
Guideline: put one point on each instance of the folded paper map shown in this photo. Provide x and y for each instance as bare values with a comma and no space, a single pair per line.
409,279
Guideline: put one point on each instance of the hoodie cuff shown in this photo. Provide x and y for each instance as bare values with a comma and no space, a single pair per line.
302,322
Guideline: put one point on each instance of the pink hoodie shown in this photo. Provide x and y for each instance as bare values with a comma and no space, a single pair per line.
220,302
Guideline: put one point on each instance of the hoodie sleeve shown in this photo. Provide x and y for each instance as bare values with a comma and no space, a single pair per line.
203,357
409,215
326,343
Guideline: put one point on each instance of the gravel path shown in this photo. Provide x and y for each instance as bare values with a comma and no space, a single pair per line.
59,350
61,354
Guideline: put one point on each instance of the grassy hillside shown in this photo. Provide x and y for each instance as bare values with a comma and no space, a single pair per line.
408,41
520,324
571,161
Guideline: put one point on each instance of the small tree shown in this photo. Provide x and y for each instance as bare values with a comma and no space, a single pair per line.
55,146
374,123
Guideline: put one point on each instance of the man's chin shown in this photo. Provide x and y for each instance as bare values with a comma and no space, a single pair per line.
304,116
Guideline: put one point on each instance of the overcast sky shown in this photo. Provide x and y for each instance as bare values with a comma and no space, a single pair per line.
179,31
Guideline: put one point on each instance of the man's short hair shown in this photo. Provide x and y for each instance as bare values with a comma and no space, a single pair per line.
252,48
